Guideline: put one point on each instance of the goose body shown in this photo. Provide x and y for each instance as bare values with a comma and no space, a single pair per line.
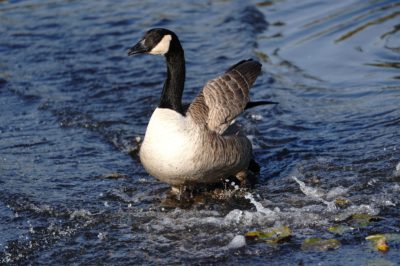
192,147
178,151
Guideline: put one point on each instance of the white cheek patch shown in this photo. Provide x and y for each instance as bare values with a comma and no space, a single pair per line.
163,46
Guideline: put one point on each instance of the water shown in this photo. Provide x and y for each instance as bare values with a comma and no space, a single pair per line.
74,107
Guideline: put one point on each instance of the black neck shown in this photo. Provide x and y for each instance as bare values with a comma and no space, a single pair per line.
171,96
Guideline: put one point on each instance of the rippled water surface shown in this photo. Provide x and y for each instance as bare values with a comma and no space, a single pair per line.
74,106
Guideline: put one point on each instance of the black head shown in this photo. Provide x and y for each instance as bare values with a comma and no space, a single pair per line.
155,41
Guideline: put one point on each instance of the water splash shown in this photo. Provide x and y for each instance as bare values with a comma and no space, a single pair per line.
259,207
315,194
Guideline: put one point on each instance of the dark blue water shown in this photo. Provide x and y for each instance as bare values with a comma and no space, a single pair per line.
74,106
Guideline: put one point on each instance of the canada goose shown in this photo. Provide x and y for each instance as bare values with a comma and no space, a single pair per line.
193,147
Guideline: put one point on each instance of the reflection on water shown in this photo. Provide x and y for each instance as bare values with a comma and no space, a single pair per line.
340,42
74,107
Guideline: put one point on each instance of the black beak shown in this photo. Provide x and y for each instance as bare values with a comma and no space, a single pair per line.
138,48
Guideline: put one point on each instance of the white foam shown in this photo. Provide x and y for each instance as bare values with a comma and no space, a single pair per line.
336,192
256,117
233,216
389,203
80,214
102,236
397,170
247,218
262,215
31,229
237,242
363,208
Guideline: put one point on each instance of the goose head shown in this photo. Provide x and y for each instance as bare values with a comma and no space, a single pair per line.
164,42
157,41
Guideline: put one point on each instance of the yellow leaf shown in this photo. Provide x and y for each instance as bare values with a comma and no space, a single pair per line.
340,229
379,242
271,235
252,234
375,237
363,219
381,245
342,202
318,244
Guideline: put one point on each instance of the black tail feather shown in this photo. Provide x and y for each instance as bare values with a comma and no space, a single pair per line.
239,63
257,103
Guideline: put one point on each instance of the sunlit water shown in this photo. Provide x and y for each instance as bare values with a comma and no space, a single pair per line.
73,108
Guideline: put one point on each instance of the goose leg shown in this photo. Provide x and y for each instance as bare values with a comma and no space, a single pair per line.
247,178
242,177
175,190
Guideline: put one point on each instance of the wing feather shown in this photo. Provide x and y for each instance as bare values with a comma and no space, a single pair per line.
225,97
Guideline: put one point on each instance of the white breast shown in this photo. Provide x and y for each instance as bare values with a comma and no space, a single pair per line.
169,145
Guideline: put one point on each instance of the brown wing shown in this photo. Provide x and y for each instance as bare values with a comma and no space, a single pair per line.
225,97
